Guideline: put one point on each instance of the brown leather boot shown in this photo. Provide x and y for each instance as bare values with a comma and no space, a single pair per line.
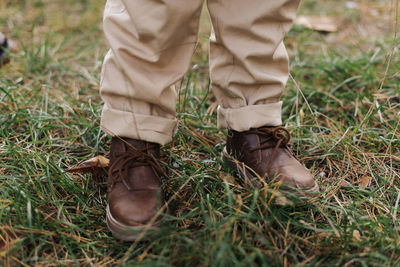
134,187
262,155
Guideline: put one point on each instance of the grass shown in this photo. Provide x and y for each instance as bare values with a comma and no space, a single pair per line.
345,128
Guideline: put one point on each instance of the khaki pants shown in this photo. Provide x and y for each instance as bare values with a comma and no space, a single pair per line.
152,42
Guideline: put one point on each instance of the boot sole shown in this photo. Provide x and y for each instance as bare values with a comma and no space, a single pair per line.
125,232
250,178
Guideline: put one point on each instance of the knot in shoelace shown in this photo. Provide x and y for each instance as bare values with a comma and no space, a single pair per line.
274,137
131,159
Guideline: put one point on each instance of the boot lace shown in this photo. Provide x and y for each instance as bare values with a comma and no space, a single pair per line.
130,159
274,137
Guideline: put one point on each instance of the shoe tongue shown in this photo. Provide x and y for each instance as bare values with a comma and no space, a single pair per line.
263,140
146,147
254,140
134,144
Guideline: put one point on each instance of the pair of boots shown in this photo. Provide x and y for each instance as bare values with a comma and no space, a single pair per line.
135,196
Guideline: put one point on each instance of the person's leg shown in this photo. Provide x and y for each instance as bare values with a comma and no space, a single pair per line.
249,71
152,43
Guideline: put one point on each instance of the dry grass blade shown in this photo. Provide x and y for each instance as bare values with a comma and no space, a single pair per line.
97,165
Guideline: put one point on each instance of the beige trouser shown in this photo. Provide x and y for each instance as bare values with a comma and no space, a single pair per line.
152,42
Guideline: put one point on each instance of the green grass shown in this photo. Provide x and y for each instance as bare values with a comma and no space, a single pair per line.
347,132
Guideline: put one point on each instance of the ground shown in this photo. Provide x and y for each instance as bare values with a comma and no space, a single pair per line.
341,105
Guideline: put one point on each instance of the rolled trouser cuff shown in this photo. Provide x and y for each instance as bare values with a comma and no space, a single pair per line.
148,128
254,116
